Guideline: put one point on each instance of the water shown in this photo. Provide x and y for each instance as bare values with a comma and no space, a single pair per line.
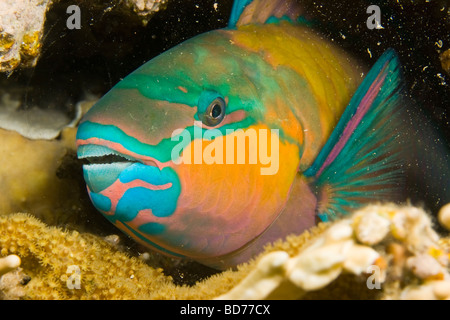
75,64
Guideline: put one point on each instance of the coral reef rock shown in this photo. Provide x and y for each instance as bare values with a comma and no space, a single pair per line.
382,245
379,252
444,216
21,29
22,25
9,263
146,7
43,177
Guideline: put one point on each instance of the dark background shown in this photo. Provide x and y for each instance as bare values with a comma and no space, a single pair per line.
111,44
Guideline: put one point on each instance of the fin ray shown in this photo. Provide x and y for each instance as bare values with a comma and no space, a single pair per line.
362,160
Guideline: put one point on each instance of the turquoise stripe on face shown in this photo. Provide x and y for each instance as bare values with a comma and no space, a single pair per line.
166,90
152,228
161,152
162,203
148,174
101,202
150,243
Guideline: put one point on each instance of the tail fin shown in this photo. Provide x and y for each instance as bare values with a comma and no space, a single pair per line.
362,160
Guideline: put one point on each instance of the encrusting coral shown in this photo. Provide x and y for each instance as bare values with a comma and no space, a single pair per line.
389,241
444,216
45,178
22,25
380,252
29,176
47,254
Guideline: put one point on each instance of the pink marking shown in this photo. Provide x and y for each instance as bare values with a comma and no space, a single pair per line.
183,89
361,111
143,217
116,191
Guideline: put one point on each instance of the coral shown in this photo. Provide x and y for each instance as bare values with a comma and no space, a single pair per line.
21,29
35,123
55,260
345,259
29,175
392,243
146,7
444,216
445,60
432,290
9,263
22,26
12,285
105,272
45,177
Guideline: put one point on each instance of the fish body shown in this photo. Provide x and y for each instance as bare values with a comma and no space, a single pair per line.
240,136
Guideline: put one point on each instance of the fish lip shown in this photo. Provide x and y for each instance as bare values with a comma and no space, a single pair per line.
97,155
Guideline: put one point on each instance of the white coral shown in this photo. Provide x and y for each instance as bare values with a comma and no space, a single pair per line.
346,247
9,263
146,7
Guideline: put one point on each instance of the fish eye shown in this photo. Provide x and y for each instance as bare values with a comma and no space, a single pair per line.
215,112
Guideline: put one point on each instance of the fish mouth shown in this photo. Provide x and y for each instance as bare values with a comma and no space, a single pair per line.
98,155
102,166
95,155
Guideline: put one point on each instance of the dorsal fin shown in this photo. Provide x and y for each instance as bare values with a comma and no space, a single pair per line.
263,11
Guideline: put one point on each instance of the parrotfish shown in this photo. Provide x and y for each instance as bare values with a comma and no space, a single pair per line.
241,136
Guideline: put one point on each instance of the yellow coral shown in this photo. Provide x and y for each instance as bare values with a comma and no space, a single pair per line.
30,182
104,271
48,252
31,44
6,42
65,264
357,245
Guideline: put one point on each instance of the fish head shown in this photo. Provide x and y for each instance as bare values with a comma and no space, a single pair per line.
185,156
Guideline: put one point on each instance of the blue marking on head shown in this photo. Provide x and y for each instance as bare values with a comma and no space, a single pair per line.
162,202
101,202
152,228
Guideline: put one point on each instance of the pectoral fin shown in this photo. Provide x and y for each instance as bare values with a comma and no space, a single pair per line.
362,161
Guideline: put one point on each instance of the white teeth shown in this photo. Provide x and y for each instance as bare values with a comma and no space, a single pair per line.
106,167
90,150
